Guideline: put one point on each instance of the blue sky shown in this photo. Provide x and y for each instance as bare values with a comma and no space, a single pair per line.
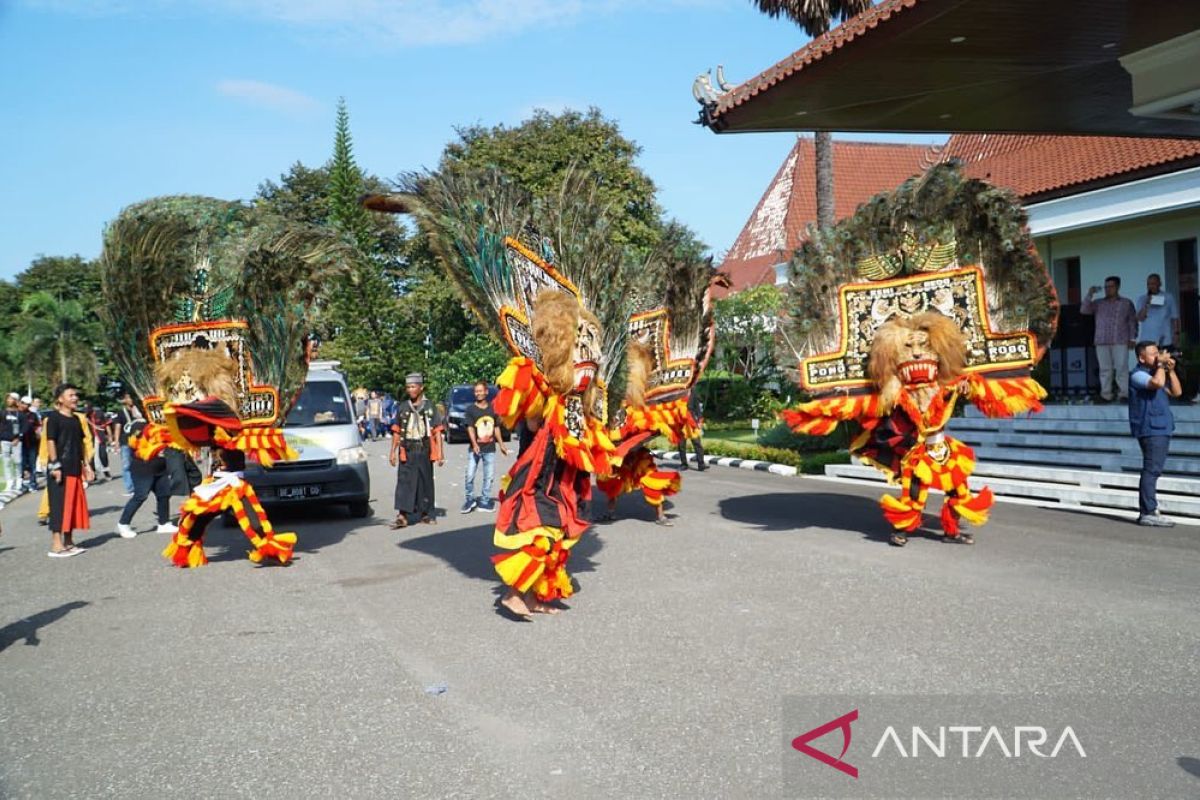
108,102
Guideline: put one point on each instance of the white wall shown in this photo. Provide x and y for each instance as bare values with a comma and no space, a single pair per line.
1131,250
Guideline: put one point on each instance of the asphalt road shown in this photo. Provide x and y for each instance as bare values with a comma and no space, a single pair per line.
123,677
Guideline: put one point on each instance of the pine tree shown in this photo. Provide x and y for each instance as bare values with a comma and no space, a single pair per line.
346,185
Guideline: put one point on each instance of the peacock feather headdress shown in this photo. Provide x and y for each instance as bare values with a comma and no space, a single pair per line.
186,271
502,246
940,242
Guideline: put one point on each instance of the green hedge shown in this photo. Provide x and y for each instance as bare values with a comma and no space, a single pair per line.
808,463
781,436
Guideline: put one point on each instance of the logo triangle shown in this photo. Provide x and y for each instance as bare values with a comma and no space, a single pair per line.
801,743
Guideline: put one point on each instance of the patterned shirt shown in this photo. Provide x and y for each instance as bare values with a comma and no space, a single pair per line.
1116,320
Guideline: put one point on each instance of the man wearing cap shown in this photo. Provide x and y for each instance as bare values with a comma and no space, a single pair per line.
31,437
416,444
10,444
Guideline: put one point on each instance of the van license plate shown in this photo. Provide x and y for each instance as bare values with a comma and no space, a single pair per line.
297,492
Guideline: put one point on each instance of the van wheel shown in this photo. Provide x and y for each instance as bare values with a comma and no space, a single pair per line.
360,509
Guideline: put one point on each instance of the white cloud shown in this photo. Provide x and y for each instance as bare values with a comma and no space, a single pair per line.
387,23
278,98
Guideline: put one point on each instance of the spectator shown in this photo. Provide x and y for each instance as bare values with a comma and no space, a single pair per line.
1116,332
375,416
31,425
389,411
1154,382
1157,314
360,411
127,414
483,429
696,409
151,474
67,468
10,444
99,427
416,445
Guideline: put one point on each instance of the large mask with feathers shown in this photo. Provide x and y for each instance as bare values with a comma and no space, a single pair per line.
188,278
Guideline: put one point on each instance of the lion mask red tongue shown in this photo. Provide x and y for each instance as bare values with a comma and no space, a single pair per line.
923,370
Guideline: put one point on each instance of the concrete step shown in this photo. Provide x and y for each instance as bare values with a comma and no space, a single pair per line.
1081,442
1037,424
1180,505
1186,412
1105,461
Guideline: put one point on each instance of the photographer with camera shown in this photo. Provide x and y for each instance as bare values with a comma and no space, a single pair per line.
1152,384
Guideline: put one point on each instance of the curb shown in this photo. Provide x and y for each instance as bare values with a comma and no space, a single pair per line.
727,461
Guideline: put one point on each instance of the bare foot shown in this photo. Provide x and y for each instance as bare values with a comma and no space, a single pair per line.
514,603
543,608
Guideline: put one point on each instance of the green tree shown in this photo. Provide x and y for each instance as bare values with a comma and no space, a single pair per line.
538,152
57,339
478,357
816,17
395,311
746,324
346,185
65,277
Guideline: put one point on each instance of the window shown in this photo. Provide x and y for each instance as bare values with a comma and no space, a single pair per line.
320,403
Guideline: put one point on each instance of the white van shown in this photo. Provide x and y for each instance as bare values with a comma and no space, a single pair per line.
332,467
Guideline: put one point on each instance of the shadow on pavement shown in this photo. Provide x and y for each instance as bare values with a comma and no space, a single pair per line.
27,628
1189,765
92,541
315,526
785,511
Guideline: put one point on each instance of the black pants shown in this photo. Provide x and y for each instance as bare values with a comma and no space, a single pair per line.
29,464
143,484
414,481
698,446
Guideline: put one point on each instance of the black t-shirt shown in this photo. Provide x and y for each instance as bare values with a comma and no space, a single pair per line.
487,427
67,434
10,425
30,423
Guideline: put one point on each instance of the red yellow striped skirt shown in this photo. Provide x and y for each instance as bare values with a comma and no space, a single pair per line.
536,562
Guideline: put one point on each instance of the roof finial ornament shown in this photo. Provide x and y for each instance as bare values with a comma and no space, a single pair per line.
702,89
725,87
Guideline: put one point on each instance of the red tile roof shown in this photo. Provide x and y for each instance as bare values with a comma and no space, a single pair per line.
861,170
1033,166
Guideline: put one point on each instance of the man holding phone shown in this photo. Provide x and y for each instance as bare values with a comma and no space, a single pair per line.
1116,333
1157,314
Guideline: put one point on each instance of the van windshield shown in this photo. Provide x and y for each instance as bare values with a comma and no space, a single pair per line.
462,395
320,403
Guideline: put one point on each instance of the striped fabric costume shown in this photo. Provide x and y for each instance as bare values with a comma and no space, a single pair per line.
928,295
548,278
207,309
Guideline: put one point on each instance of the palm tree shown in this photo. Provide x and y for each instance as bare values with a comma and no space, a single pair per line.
816,17
57,333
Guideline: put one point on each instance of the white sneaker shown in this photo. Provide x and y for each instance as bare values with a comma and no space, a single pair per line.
167,528
125,531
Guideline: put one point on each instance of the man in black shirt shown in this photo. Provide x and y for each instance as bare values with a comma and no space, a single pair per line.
483,429
416,444
31,426
696,409
127,414
66,470
10,444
